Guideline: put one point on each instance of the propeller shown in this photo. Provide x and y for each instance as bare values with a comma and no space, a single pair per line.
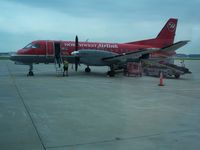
77,59
76,43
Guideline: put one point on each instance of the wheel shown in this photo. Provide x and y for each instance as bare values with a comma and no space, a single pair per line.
87,70
111,73
30,73
177,76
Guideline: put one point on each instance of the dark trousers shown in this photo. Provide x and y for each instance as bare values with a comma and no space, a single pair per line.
65,72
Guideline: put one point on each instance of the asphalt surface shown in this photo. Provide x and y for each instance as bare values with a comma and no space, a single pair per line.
93,111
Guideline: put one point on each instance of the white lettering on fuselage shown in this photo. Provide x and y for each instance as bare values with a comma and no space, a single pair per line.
92,45
102,45
69,44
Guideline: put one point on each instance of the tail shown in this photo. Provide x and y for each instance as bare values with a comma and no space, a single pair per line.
167,34
164,38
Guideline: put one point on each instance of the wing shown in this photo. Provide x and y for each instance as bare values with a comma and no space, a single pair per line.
131,55
174,46
142,53
168,51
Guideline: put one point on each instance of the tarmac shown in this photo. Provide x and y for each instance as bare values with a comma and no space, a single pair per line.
92,111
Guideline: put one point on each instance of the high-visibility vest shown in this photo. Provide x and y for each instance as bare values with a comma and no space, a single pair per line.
66,64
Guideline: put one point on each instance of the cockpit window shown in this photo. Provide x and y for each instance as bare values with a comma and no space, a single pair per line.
32,45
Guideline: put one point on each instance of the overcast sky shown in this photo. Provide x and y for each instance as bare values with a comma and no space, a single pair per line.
23,21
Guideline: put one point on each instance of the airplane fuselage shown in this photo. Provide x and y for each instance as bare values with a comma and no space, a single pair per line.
100,54
43,51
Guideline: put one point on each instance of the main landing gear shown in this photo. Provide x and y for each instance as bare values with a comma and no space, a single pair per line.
30,73
111,73
87,69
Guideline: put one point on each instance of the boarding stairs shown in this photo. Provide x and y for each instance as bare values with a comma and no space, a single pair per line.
58,62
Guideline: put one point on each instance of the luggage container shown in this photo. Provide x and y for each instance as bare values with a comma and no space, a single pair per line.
133,69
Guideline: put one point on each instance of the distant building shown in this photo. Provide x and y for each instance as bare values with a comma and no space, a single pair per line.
181,56
4,54
184,56
194,55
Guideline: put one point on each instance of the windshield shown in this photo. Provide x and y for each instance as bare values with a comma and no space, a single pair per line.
32,45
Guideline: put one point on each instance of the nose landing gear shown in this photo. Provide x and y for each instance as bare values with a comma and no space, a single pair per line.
112,72
30,73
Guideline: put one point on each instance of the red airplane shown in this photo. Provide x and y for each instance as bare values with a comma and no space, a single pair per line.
99,54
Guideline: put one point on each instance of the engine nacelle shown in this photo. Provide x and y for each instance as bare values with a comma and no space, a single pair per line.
94,57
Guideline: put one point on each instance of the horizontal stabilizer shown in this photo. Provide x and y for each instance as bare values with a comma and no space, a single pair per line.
174,46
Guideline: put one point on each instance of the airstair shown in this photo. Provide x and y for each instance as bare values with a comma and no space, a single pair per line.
58,62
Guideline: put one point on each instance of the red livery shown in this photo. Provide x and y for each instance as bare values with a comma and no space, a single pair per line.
100,54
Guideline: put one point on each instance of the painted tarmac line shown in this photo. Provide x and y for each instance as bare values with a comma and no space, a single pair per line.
26,107
117,139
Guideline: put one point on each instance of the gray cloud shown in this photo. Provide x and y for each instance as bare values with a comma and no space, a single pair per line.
98,20
118,8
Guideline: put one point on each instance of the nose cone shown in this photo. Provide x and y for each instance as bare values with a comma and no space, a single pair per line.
21,51
13,56
75,53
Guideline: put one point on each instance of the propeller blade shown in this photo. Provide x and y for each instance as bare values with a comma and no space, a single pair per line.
76,67
76,43
77,59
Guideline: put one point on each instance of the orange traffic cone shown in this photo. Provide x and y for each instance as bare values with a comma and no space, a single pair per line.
161,79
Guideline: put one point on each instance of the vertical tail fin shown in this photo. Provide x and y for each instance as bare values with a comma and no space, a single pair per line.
167,34
164,38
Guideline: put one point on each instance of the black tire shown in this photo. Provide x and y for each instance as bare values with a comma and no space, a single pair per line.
177,76
87,70
30,73
111,73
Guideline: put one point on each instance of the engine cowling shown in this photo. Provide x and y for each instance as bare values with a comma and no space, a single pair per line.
94,57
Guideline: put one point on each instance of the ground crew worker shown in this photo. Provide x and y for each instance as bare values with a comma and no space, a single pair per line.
65,68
